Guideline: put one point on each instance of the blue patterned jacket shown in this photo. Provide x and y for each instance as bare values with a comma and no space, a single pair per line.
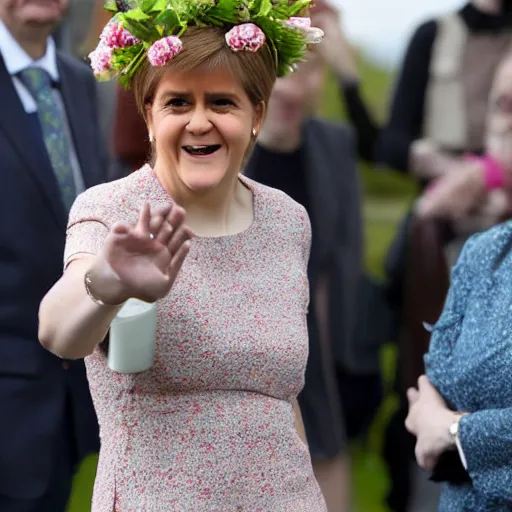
470,363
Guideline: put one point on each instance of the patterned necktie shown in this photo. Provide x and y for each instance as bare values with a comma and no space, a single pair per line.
55,134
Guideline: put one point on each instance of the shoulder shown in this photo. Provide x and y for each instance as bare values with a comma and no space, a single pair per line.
77,69
73,65
279,209
484,251
343,132
118,200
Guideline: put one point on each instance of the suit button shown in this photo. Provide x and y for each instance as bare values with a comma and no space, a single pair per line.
65,365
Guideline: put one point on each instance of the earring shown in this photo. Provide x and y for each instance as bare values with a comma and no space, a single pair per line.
151,137
254,132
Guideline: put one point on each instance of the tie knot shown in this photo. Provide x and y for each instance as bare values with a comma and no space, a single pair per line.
36,80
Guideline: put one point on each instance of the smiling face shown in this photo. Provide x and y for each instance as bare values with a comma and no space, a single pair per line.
202,123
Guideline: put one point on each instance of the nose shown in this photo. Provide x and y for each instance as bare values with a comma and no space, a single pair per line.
199,122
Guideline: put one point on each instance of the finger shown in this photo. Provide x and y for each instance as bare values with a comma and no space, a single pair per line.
182,235
144,220
409,424
423,383
157,219
176,217
412,396
165,233
120,228
178,259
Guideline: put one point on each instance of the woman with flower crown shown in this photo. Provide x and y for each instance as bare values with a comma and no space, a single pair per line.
214,423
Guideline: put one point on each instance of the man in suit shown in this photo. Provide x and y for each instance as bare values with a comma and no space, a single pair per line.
51,149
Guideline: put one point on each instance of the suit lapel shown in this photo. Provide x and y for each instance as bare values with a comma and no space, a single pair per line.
14,122
71,88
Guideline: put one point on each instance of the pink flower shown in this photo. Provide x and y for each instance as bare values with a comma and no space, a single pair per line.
245,37
101,59
115,36
313,35
302,23
164,49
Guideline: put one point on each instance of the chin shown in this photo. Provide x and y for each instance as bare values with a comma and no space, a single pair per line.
48,13
201,181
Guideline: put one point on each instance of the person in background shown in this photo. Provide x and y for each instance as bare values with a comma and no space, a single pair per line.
438,110
314,162
50,151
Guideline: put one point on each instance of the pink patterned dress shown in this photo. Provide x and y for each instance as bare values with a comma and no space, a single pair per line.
210,427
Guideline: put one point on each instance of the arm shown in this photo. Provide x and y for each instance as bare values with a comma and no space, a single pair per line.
339,55
366,128
407,109
139,260
486,440
70,323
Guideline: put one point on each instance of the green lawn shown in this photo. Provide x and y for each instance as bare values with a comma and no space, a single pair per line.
386,196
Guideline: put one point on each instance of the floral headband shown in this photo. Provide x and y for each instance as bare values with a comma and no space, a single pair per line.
152,29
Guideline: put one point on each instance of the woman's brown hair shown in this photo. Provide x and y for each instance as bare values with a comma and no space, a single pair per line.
206,48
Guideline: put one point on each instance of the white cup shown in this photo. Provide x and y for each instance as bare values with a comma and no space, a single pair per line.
131,346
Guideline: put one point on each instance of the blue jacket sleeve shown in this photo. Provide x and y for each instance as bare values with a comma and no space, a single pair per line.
486,439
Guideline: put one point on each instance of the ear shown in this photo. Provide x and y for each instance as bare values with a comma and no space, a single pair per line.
259,116
149,118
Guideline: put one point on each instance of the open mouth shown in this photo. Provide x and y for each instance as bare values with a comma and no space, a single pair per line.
202,150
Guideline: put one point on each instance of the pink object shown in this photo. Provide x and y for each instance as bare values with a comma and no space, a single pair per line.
164,50
494,172
101,59
211,425
245,37
115,36
301,23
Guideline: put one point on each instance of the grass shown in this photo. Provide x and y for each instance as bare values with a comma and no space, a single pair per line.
386,196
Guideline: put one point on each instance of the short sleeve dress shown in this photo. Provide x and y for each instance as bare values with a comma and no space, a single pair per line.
210,427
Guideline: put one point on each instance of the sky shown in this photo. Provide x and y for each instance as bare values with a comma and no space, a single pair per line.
382,28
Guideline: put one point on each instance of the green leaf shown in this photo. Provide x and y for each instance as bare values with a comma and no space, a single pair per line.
298,6
264,8
110,5
136,15
159,5
139,30
168,20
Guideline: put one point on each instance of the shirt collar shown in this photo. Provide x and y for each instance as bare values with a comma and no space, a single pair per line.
16,58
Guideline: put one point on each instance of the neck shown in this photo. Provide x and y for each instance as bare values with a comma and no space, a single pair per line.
488,6
33,40
215,212
286,142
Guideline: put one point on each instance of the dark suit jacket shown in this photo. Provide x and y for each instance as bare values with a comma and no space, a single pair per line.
334,196
34,384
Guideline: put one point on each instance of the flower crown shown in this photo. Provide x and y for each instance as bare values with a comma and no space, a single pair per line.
152,29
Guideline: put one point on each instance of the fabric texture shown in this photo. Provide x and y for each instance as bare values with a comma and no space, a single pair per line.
211,425
469,363
52,120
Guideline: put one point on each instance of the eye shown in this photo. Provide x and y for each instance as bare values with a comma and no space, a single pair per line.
177,103
223,103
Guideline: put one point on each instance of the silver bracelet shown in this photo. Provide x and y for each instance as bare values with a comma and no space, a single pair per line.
87,284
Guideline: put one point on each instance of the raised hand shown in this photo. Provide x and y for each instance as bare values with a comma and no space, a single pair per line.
142,261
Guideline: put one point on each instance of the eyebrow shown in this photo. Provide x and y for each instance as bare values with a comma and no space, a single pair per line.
209,95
